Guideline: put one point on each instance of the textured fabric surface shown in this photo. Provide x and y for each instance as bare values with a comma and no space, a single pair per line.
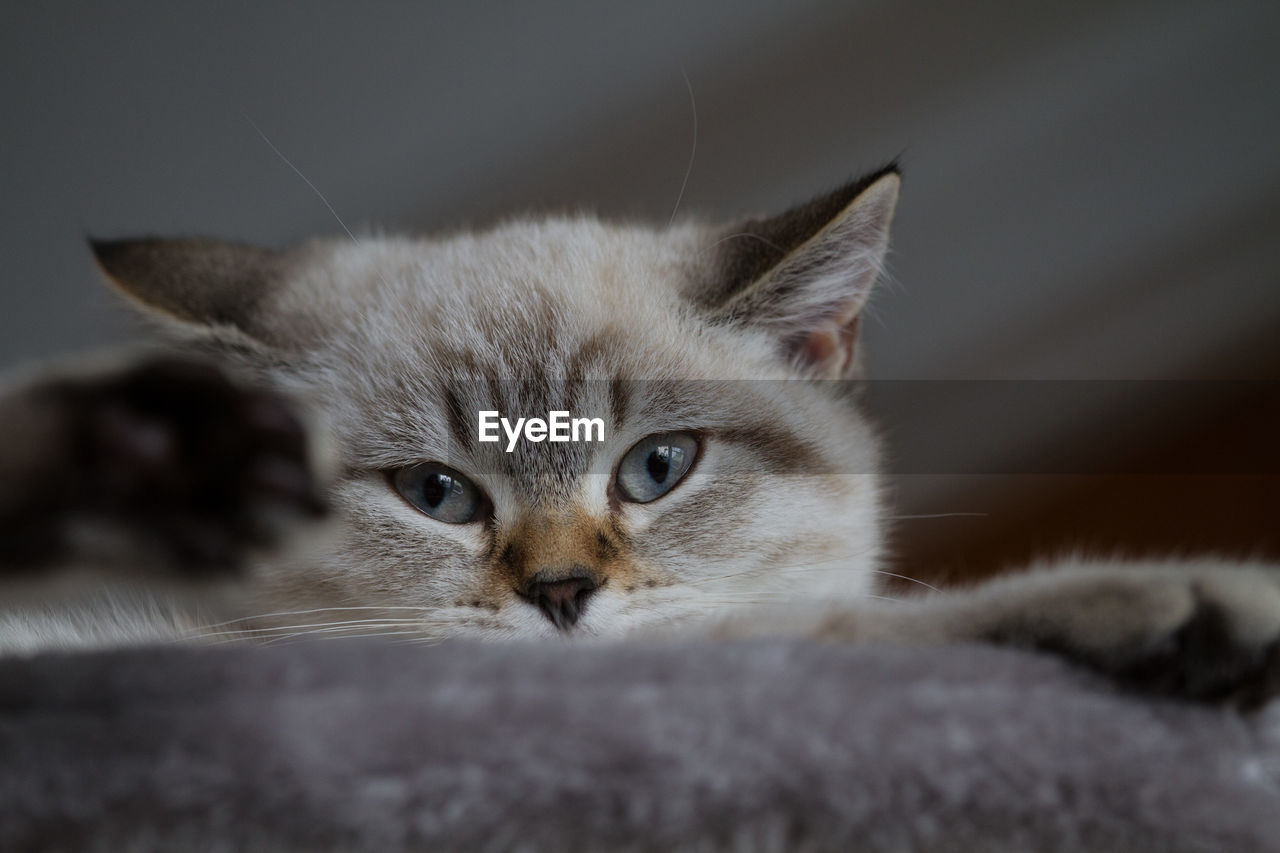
760,746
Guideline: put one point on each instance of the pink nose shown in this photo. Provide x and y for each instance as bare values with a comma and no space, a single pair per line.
562,599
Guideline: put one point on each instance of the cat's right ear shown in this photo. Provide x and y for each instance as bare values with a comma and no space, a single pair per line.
205,284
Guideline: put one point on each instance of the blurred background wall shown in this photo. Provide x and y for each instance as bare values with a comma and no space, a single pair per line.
1092,193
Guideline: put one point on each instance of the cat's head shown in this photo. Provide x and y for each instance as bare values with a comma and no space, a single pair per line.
734,465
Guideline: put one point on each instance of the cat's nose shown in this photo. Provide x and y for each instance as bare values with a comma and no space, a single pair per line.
561,597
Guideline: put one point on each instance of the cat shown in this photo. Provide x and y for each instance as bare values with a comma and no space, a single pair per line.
733,492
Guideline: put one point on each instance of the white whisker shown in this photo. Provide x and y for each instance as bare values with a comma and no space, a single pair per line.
313,187
282,640
250,633
905,578
305,179
758,237
693,105
259,616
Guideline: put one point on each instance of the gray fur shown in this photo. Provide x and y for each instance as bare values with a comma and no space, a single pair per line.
749,747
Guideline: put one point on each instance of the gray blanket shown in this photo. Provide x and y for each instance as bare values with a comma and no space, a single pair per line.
761,746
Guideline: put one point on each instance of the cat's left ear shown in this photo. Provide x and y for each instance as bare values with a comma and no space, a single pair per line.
805,275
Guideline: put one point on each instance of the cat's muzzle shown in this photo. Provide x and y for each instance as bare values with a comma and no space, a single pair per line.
562,597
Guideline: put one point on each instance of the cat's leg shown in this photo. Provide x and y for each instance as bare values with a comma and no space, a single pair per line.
1207,631
160,465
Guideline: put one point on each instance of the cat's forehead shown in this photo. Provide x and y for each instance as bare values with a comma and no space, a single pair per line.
537,298
559,263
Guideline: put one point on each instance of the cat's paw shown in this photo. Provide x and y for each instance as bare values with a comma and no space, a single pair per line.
174,459
1209,634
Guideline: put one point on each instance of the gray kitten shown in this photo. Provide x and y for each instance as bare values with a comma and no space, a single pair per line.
731,488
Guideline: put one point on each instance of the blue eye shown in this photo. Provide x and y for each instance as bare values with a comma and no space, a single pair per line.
440,492
655,465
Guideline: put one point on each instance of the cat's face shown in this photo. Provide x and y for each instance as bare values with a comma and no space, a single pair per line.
730,469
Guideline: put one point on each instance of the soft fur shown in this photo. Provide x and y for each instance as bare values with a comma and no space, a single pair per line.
756,747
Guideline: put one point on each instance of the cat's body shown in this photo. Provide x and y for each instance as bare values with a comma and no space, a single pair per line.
735,474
